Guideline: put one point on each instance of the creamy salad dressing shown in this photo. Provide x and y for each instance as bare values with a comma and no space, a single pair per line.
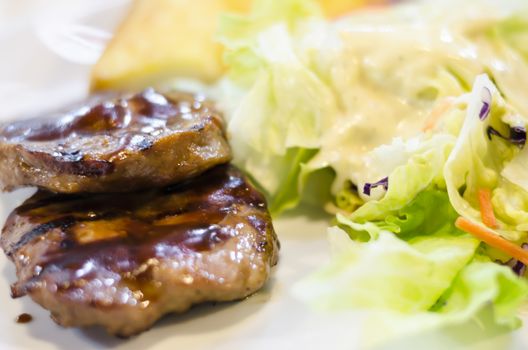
510,73
389,78
346,87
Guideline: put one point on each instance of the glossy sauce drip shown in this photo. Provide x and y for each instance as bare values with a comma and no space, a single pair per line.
140,228
145,113
24,318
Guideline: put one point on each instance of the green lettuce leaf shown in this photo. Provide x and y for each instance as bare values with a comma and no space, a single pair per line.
288,194
282,106
428,213
240,34
422,170
388,273
483,292
417,267
483,283
426,276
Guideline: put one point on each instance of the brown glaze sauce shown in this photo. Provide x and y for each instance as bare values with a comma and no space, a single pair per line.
138,228
147,113
24,318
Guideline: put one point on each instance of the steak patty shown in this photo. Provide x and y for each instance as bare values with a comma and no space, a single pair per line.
114,144
124,260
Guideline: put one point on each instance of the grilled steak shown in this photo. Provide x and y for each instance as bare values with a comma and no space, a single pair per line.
114,144
124,260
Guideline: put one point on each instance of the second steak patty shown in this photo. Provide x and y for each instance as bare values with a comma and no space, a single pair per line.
122,261
114,144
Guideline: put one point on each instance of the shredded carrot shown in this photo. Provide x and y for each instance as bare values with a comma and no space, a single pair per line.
491,238
436,114
486,208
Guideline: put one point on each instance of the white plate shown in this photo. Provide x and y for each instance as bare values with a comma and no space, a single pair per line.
33,76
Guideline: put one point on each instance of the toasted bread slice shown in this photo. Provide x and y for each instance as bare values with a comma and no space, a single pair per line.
161,39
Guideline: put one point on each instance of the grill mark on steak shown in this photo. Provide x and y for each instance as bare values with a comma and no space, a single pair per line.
145,112
140,245
146,139
40,230
82,208
212,235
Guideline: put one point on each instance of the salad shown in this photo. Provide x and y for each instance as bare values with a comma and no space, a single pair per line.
408,123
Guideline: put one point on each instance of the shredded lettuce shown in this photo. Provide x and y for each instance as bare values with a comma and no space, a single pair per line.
478,160
316,110
284,106
298,84
421,170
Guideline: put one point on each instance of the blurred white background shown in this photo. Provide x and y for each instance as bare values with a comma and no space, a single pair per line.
46,49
